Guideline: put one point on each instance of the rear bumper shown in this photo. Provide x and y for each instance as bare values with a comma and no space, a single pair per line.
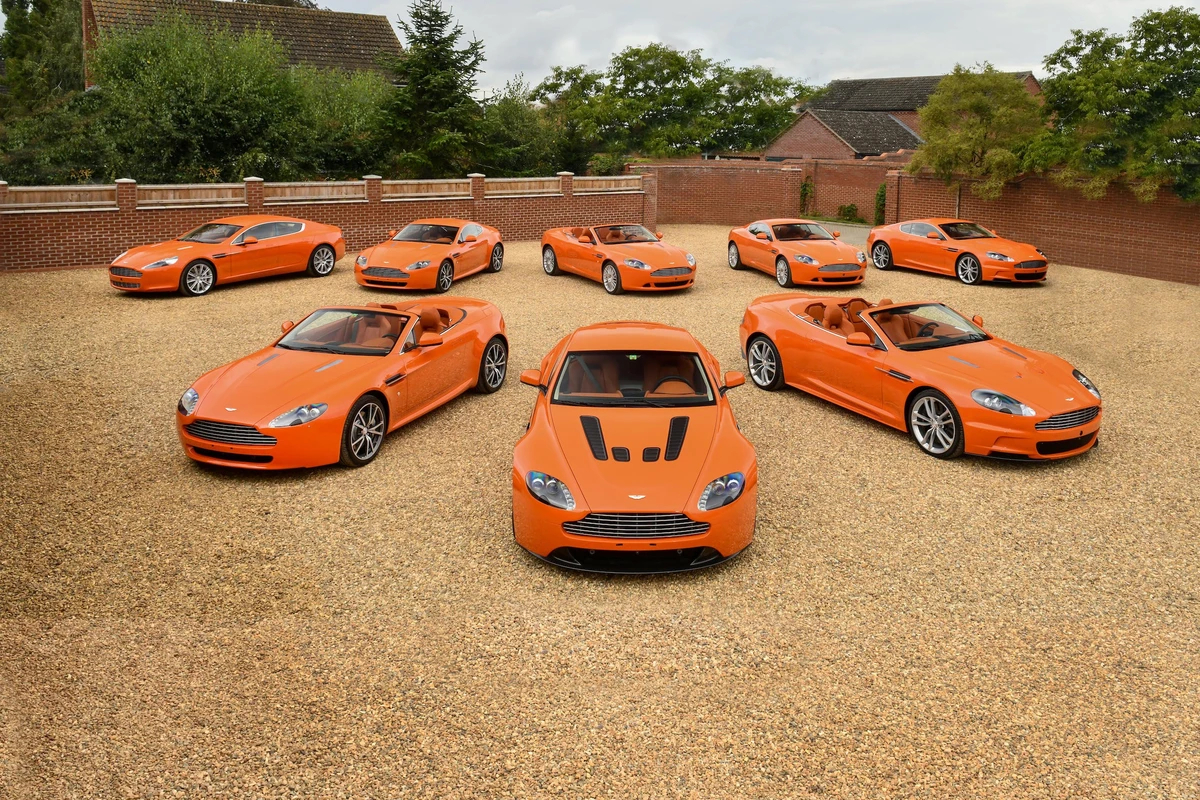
1031,445
312,445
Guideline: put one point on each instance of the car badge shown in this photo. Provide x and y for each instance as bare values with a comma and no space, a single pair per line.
637,497
1069,399
231,409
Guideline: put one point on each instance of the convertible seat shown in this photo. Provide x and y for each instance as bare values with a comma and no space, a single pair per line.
854,310
602,371
898,329
817,312
835,320
373,331
657,369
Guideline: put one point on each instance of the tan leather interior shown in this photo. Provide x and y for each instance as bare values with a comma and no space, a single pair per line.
373,331
657,369
602,371
816,311
836,321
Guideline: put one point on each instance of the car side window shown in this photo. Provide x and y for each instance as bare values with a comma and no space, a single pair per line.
923,229
908,227
264,231
410,341
286,228
470,230
757,229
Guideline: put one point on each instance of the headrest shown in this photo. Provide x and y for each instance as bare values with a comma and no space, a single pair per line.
816,311
887,301
431,320
833,316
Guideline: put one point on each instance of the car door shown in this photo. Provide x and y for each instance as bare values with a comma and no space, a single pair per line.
850,375
472,255
433,372
929,253
590,257
293,246
257,258
904,245
758,251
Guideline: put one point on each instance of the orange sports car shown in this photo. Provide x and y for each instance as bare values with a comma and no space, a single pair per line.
796,251
622,257
226,251
429,255
955,247
333,386
925,369
632,461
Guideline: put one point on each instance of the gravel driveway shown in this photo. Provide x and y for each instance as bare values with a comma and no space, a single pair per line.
901,627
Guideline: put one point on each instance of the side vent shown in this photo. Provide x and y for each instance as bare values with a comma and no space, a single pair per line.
620,453
675,437
595,437
650,454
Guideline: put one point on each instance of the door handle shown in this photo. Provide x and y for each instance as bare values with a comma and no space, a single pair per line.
598,255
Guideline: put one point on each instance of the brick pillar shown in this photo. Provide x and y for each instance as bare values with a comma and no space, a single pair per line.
891,211
3,192
650,200
254,194
477,186
126,194
374,188
794,180
566,183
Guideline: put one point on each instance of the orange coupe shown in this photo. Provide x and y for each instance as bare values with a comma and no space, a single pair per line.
796,251
333,386
430,255
632,461
622,257
226,251
955,247
923,368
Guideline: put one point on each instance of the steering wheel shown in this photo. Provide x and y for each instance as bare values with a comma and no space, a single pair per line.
666,378
927,330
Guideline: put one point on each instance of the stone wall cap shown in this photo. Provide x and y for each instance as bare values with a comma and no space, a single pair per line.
476,175
561,174
252,178
126,180
372,177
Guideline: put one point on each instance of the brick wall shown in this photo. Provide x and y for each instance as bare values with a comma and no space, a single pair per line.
840,183
37,239
1116,233
910,118
808,138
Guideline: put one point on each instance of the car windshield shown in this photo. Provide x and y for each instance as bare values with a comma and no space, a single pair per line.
926,327
212,233
799,231
966,230
345,332
624,234
430,234
654,379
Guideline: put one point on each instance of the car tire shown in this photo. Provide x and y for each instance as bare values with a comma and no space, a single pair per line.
445,277
496,262
493,366
550,261
763,363
610,276
930,406
968,269
735,257
881,256
783,273
362,435
198,278
322,261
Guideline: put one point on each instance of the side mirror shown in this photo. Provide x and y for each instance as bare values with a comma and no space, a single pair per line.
429,339
837,234
392,234
287,326
470,238
978,320
249,240
659,234
932,235
733,380
761,235
532,377
585,239
859,339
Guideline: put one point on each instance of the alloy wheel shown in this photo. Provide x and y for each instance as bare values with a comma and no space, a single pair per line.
933,425
783,273
761,361
549,262
323,261
366,432
734,257
495,364
611,279
445,276
199,278
880,256
497,258
968,269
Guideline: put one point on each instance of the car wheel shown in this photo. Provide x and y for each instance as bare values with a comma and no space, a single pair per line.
735,257
497,261
968,270
550,261
611,277
934,423
445,276
198,278
783,273
493,367
881,256
766,368
321,262
366,425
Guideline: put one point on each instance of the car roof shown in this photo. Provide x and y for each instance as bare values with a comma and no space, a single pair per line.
785,220
938,220
254,219
632,336
458,223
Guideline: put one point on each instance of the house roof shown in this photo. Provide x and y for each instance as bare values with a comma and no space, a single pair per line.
883,94
868,133
325,39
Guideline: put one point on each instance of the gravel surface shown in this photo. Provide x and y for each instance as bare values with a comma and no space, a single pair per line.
901,627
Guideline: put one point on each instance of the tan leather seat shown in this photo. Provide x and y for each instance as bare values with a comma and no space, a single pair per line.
817,312
854,311
667,366
835,320
603,371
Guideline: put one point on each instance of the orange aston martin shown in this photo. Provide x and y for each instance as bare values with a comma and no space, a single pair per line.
925,369
632,461
622,257
226,251
334,385
967,250
796,251
430,255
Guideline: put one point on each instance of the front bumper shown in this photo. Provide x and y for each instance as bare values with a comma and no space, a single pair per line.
813,275
311,445
1009,272
159,279
423,279
1021,441
640,280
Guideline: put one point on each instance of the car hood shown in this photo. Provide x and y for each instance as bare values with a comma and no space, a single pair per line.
149,253
656,254
399,255
635,485
826,251
1017,251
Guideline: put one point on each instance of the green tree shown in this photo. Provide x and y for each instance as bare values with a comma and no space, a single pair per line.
338,134
659,101
571,98
518,138
978,124
753,106
432,120
42,50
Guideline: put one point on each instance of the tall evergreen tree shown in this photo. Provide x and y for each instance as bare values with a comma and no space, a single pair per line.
42,49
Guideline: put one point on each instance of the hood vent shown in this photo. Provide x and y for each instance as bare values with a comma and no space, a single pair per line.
675,437
650,454
621,453
595,437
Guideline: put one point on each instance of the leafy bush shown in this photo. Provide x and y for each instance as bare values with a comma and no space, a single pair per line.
607,164
849,213
880,203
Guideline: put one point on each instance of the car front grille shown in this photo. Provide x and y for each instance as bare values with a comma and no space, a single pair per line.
1069,419
638,526
124,272
1036,264
228,433
1029,276
241,458
384,272
125,285
839,268
670,272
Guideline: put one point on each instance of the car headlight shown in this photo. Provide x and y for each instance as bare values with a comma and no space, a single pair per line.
691,259
118,258
1087,384
861,256
1002,403
187,403
633,262
1040,253
803,259
165,262
418,265
361,261
997,256
298,416
550,490
721,492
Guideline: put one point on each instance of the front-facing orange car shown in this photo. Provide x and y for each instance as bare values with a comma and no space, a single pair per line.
621,257
927,370
226,251
430,255
334,385
797,251
632,461
967,250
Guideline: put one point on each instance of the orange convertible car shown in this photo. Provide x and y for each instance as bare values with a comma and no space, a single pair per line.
955,247
796,251
632,461
621,257
229,250
333,386
430,254
923,368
